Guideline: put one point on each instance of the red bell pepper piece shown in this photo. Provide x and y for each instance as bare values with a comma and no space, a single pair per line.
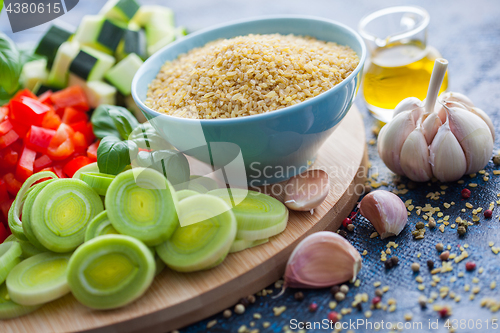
4,195
72,115
80,143
61,146
73,166
86,129
5,127
72,96
4,233
8,139
45,98
58,170
24,93
20,128
39,138
5,206
92,151
13,185
8,158
51,120
4,112
28,111
25,165
42,162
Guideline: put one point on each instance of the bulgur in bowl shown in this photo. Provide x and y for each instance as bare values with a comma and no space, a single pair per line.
277,128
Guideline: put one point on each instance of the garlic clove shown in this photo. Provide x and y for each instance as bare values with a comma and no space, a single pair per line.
415,157
320,260
431,123
392,137
474,136
450,98
307,191
446,156
386,211
409,104
481,114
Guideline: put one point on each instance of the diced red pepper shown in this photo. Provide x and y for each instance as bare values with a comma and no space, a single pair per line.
8,139
39,138
4,111
20,128
4,233
58,170
45,98
24,93
92,151
25,166
28,111
9,158
51,120
5,206
72,115
13,185
42,162
80,143
4,195
86,129
5,127
72,96
61,145
74,165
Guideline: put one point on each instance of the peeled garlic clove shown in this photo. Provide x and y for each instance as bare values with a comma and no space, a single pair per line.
386,211
474,136
446,156
409,104
307,191
481,114
415,157
321,260
391,139
431,123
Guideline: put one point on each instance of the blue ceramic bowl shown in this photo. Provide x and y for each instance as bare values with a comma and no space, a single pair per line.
276,145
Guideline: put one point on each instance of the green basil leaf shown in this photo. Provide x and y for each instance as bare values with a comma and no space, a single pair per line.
113,154
111,120
172,164
146,137
10,65
4,97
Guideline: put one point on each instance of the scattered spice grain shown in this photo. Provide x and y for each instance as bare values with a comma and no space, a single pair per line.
430,264
299,296
465,193
470,266
440,247
313,307
227,313
444,256
239,309
415,267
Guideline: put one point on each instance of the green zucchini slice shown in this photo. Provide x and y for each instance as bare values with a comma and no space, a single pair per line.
50,43
9,309
110,271
98,181
39,279
58,76
259,216
90,64
242,244
121,10
61,212
144,207
183,194
205,243
122,74
100,226
10,254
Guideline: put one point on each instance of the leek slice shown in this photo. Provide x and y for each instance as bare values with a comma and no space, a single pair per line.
98,181
29,250
39,279
99,226
242,244
61,212
259,216
15,223
183,194
110,271
10,254
9,309
92,167
208,183
160,265
142,208
203,244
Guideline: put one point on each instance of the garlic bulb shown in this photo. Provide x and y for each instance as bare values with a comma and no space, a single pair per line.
321,260
307,191
386,211
445,139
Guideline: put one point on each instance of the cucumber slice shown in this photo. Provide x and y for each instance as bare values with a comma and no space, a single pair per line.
58,76
242,244
50,43
100,226
39,279
121,10
10,256
183,194
9,309
91,65
99,33
97,92
92,167
259,216
204,243
34,73
110,271
61,212
142,208
98,181
122,74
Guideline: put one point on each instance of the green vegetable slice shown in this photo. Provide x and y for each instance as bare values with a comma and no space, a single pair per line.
99,226
98,181
29,250
242,244
61,212
183,194
203,244
160,265
15,224
259,216
92,167
142,208
110,271
9,309
10,254
39,279
208,183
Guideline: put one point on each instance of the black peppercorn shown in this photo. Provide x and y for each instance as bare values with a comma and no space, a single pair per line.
342,233
394,261
430,264
359,306
299,296
244,302
388,264
334,290
461,230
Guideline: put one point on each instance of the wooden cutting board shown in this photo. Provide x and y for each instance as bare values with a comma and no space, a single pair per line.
175,300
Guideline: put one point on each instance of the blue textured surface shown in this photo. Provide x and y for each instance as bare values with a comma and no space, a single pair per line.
468,34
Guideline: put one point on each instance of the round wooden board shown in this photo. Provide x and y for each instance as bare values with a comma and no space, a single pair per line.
176,300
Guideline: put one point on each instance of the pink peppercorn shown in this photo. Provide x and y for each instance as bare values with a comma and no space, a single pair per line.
444,312
333,317
488,213
465,193
346,222
376,300
470,266
313,307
